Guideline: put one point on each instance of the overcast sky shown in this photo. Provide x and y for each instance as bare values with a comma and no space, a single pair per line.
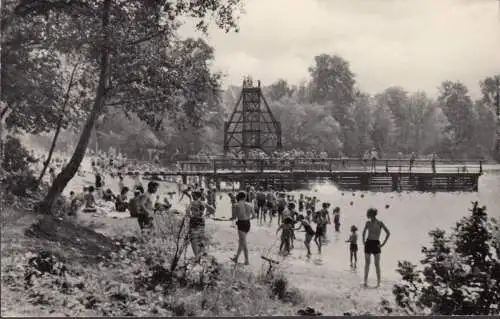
412,43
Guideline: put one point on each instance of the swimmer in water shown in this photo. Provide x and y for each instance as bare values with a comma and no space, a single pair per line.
371,239
353,247
304,223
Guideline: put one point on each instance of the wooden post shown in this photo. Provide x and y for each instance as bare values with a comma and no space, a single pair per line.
481,167
395,182
387,166
365,182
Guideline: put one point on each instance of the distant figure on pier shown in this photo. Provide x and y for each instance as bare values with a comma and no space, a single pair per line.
366,157
374,157
412,160
433,163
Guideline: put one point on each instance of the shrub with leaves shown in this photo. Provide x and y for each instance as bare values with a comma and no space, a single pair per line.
461,271
18,179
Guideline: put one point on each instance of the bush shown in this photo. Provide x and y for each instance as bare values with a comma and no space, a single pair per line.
461,271
17,179
16,158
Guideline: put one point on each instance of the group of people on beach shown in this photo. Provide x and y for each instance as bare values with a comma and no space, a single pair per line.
254,203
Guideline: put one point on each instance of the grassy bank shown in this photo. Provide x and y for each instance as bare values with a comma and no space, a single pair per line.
57,267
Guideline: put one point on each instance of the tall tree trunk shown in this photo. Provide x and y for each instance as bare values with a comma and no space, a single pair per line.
76,159
59,126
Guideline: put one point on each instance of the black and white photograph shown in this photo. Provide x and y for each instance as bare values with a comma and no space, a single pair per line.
242,158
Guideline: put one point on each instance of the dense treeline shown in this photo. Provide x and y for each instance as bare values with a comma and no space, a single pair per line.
331,113
138,85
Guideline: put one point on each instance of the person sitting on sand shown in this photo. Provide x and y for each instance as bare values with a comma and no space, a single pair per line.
121,200
243,212
108,195
373,229
89,200
99,181
353,246
146,207
74,204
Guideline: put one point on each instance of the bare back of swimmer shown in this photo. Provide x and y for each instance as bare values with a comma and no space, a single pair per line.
371,239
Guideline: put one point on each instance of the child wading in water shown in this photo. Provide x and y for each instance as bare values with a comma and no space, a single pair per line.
353,246
286,228
309,233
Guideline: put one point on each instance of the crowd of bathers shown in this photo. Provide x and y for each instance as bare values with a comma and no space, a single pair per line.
293,213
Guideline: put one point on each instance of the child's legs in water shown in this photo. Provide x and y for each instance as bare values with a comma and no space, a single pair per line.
307,242
317,240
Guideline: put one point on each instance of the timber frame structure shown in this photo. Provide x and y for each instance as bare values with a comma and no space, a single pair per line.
252,125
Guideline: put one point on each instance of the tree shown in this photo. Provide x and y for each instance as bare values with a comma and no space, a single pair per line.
278,90
307,127
332,81
457,105
333,84
30,74
397,100
362,114
383,128
60,122
489,90
461,271
123,38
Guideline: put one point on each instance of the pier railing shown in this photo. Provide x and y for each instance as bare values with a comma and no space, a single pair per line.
335,165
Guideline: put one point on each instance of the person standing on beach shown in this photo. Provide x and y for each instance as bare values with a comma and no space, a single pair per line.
371,239
243,212
195,212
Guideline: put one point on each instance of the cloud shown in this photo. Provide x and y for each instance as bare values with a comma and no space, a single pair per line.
412,43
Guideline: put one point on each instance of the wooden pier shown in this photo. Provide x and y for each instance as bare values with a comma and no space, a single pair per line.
347,174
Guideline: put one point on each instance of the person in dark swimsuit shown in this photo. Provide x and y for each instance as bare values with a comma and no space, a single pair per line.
309,233
353,247
371,239
336,218
243,212
286,229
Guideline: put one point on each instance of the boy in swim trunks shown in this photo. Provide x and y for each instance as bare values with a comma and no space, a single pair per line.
353,247
371,239
286,228
309,233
